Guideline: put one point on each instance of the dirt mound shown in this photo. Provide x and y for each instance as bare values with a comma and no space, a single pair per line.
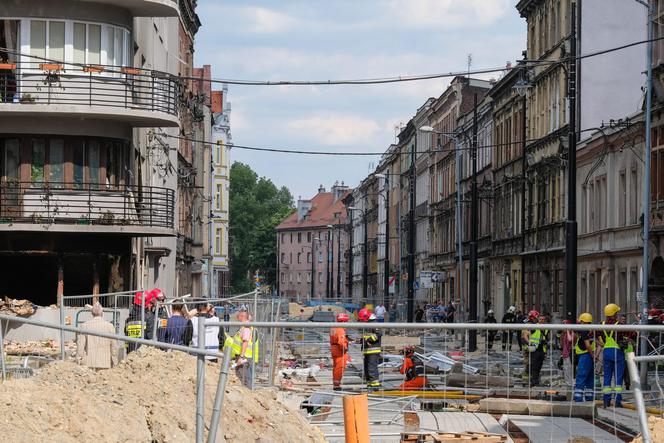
656,426
149,397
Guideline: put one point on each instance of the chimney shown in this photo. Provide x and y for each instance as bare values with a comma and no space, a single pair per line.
303,208
338,190
321,189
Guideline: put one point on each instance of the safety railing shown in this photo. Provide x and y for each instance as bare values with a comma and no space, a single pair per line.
63,84
85,204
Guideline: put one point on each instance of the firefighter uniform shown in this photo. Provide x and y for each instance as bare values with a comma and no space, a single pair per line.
371,348
537,341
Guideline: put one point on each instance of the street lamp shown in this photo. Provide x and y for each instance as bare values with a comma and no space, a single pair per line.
459,228
365,265
386,261
336,227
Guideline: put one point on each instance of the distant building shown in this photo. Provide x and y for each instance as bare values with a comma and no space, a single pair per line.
314,240
221,136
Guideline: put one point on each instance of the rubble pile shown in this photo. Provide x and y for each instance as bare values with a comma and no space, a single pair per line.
16,308
656,427
43,348
149,397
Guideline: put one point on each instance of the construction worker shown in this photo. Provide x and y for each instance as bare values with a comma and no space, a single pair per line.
490,334
584,350
339,351
509,317
614,357
244,347
413,369
371,344
536,346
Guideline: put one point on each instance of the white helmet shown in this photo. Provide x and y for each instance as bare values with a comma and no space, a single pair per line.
490,312
511,310
372,317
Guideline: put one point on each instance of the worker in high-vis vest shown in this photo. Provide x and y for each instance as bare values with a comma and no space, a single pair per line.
537,347
371,349
614,357
584,350
244,347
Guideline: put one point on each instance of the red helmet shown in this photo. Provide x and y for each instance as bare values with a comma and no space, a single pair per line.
408,350
157,294
343,318
138,297
532,315
364,314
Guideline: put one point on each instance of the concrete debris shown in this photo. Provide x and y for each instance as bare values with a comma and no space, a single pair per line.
444,363
148,397
303,374
391,361
16,308
656,427
44,348
537,407
477,381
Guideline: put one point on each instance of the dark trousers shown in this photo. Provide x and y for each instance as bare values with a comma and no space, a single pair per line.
371,374
489,339
535,367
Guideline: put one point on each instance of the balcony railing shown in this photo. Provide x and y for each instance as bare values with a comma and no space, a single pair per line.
86,204
59,84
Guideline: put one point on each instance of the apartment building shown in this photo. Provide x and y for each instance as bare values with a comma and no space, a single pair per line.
312,248
81,85
221,137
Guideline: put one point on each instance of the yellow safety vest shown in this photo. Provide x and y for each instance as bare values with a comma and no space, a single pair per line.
234,343
536,338
609,341
580,351
371,348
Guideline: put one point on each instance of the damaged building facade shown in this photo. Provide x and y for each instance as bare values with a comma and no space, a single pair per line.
91,188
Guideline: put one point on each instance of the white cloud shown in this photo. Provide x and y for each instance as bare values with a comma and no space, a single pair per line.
335,129
267,21
447,13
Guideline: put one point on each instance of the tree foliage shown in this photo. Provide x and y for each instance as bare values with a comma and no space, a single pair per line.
257,206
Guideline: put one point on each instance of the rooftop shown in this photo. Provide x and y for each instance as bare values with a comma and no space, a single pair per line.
322,213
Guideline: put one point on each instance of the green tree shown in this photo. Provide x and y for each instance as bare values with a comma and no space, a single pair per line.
257,206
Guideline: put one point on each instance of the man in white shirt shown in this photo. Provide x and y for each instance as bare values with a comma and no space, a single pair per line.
380,313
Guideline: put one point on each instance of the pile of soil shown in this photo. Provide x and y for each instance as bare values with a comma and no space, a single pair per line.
20,308
656,426
149,397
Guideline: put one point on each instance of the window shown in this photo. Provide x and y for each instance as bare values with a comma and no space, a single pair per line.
308,237
56,41
308,277
291,238
93,161
283,278
217,241
283,258
217,198
299,255
299,277
10,160
290,259
78,156
55,161
79,43
38,159
38,39
283,237
320,277
320,257
308,257
622,199
633,196
299,237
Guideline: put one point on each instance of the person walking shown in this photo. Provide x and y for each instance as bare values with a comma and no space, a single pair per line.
537,348
339,351
97,352
380,313
179,329
613,356
584,350
490,334
371,349
567,343
509,318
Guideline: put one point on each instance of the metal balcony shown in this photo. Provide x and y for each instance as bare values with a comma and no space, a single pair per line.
86,207
136,97
144,8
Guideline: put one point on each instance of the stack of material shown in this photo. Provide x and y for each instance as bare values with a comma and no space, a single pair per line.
16,308
453,437
44,348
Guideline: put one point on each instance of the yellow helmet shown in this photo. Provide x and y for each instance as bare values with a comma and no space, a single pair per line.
586,318
611,309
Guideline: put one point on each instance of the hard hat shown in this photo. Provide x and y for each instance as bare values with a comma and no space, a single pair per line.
363,315
490,311
533,314
567,322
342,318
372,317
138,297
157,294
652,313
586,317
409,350
511,310
611,309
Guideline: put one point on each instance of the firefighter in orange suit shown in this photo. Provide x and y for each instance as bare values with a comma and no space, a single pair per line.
413,369
339,350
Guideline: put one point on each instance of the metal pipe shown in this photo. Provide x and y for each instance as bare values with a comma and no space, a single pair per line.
646,194
219,398
62,332
410,300
474,221
200,381
253,341
459,226
155,322
2,353
143,325
638,396
444,326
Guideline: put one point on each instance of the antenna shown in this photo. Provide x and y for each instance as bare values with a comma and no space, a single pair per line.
470,63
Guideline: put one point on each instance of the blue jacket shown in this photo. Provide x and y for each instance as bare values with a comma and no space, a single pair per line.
178,331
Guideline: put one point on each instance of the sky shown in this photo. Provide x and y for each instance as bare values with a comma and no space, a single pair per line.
342,39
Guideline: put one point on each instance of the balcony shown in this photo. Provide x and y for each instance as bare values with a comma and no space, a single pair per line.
132,96
143,8
86,208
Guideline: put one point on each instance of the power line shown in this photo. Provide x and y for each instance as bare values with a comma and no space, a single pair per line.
362,81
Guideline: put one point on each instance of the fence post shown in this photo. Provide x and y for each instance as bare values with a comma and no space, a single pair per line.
219,397
200,382
156,321
254,337
2,352
61,302
144,328
638,396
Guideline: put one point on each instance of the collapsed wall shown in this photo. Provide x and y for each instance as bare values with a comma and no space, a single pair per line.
148,397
